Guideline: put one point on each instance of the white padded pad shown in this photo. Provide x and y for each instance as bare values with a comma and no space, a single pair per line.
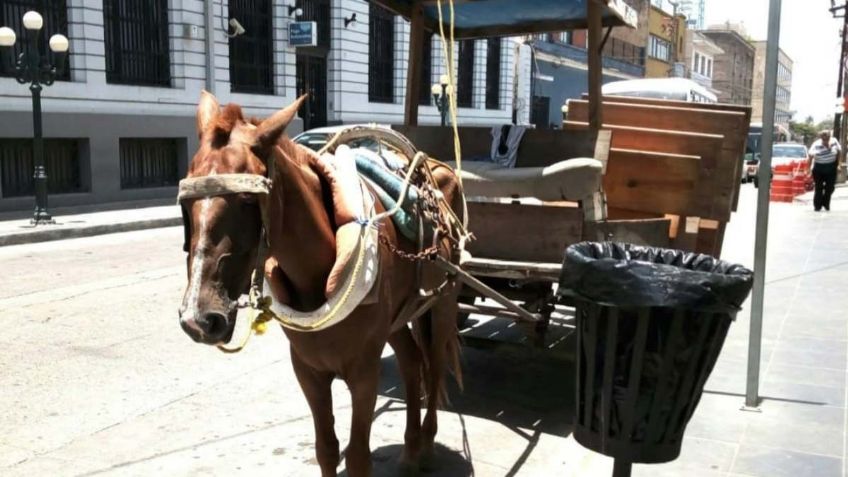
573,179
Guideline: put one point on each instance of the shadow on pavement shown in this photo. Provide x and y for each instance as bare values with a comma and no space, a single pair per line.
528,390
448,463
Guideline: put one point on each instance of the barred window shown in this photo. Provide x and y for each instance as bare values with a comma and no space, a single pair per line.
493,73
317,11
424,97
55,14
381,54
251,54
465,78
148,162
137,42
62,161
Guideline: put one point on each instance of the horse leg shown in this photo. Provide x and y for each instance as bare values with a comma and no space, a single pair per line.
363,391
409,362
443,353
316,387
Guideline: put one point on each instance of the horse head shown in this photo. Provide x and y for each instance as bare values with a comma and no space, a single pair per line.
223,225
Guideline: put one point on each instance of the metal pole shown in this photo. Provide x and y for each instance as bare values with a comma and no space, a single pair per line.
40,216
752,399
443,104
209,25
837,118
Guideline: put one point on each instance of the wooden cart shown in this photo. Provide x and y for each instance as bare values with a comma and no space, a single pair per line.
668,173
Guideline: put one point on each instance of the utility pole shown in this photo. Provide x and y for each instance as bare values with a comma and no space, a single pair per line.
840,82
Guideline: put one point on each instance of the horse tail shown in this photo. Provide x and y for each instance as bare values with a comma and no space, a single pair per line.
438,338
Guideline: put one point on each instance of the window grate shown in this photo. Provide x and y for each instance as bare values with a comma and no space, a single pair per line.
465,79
251,54
61,162
493,73
317,11
55,14
424,94
148,162
136,35
381,55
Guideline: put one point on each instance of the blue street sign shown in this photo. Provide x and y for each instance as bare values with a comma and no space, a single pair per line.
303,34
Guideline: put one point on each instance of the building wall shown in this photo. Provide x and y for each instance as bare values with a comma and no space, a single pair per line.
670,31
623,41
100,113
783,98
699,57
733,70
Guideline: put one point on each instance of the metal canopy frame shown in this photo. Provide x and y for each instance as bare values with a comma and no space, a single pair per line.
591,15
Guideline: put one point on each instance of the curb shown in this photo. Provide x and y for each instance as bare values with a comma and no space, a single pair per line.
47,235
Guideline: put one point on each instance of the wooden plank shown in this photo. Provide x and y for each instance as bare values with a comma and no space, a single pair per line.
538,148
746,110
533,233
513,269
705,146
651,232
686,236
413,70
650,181
689,117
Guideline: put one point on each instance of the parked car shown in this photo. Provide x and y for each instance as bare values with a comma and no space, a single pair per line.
782,153
316,138
750,167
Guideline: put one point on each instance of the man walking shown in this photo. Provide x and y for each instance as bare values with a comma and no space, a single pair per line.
824,162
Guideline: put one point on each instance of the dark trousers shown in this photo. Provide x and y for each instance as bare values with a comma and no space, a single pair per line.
824,176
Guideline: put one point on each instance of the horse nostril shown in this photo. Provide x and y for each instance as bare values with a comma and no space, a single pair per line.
213,324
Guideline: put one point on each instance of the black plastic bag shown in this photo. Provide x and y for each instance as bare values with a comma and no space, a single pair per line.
618,274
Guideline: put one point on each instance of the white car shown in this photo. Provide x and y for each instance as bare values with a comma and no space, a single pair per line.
782,153
316,138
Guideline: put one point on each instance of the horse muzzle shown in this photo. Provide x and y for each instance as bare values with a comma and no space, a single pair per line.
209,327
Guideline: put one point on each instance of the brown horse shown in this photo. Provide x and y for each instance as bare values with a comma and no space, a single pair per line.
223,234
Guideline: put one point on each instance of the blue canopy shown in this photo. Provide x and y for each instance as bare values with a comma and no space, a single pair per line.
490,18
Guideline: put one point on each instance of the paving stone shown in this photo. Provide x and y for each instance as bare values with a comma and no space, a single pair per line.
770,462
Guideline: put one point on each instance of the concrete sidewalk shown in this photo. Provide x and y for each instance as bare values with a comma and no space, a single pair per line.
85,221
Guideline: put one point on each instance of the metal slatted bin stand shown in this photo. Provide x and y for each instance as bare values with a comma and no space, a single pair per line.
650,326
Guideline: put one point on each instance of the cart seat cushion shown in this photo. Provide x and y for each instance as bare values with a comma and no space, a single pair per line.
573,179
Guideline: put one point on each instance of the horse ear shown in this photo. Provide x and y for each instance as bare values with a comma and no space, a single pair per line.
270,130
207,110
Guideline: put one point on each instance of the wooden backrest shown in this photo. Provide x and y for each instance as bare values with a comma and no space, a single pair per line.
538,148
717,189
739,126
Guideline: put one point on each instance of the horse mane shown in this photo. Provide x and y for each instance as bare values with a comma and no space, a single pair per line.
229,118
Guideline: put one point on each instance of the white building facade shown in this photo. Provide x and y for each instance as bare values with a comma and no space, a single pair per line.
700,54
120,124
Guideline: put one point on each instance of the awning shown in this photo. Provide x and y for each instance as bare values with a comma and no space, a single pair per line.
492,18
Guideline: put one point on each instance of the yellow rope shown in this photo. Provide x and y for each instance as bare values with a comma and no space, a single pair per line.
448,52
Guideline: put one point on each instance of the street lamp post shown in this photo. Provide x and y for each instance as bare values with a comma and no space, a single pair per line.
440,92
37,70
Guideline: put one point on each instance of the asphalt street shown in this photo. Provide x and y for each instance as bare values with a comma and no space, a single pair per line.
98,378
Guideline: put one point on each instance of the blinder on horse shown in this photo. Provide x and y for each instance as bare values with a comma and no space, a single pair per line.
217,185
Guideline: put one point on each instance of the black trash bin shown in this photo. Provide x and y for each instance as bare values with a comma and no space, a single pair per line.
650,325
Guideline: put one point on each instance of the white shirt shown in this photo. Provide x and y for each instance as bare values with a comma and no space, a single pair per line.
825,155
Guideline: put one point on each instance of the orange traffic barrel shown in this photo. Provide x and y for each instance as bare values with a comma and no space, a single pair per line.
782,189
